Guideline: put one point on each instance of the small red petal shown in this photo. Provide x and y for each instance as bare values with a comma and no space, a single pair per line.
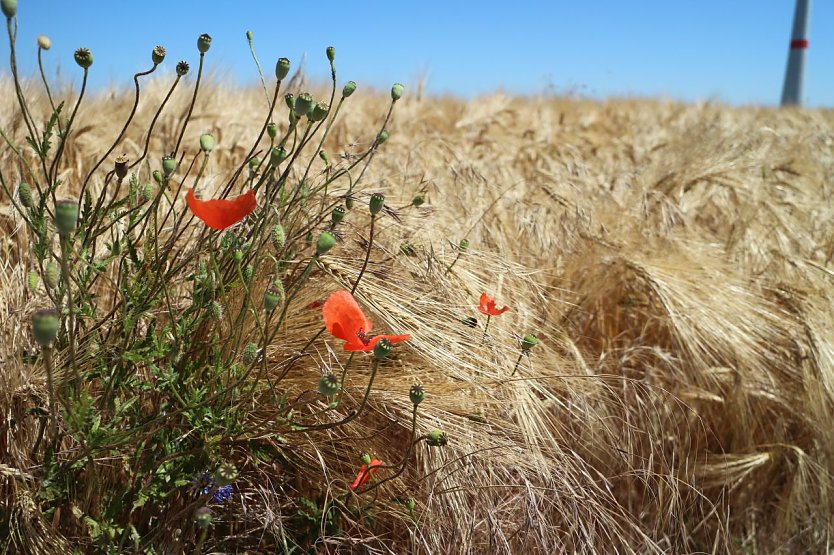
222,213
315,304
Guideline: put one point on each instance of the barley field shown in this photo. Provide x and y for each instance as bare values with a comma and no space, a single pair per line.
673,260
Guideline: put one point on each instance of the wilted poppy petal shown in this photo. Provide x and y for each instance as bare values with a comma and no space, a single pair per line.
222,213
365,473
343,317
391,338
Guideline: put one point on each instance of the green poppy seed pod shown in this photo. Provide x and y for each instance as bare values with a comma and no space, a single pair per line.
32,280
206,142
418,200
44,43
158,54
250,354
9,8
397,91
147,192
278,237
463,246
216,310
289,100
66,217
282,68
254,163
365,458
416,394
45,325
349,202
169,164
337,215
329,385
248,271
84,58
120,166
249,36
376,203
272,129
228,240
319,111
349,89
24,193
529,342
238,254
410,504
382,349
436,438
325,242
182,68
273,297
303,104
204,43
157,176
51,274
331,54
202,518
226,474
277,155
382,137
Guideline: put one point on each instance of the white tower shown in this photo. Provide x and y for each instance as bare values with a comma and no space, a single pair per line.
795,73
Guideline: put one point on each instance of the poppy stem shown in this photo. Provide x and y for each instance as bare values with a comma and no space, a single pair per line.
521,354
367,255
455,261
342,379
50,390
486,327
65,246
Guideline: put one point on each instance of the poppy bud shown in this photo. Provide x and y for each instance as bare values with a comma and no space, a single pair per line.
329,385
331,54
202,517
418,200
337,215
410,503
45,325
277,155
182,68
382,137
24,193
397,91
120,166
308,237
169,164
407,249
325,242
382,349
51,274
376,203
216,310
226,474
325,158
147,192
157,176
365,458
279,238
282,68
303,104
250,354
349,89
66,216
289,100
273,297
249,36
463,246
204,43
319,111
529,342
238,256
416,394
206,142
32,280
44,42
158,54
436,438
349,202
254,162
9,8
272,129
84,58
248,271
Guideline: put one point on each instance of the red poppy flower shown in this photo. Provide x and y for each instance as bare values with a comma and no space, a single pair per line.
487,306
365,472
345,320
222,213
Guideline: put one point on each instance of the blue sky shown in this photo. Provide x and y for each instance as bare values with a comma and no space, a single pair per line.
727,50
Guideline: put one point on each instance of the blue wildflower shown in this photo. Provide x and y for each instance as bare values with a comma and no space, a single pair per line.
205,483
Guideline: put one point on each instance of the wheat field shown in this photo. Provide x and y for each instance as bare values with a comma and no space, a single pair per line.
674,260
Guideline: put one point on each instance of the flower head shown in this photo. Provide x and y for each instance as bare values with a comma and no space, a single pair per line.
487,306
345,320
365,472
203,483
222,213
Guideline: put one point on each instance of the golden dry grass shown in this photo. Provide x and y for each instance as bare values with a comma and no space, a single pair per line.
675,261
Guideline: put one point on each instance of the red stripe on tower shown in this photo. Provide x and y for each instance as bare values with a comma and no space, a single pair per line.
799,44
